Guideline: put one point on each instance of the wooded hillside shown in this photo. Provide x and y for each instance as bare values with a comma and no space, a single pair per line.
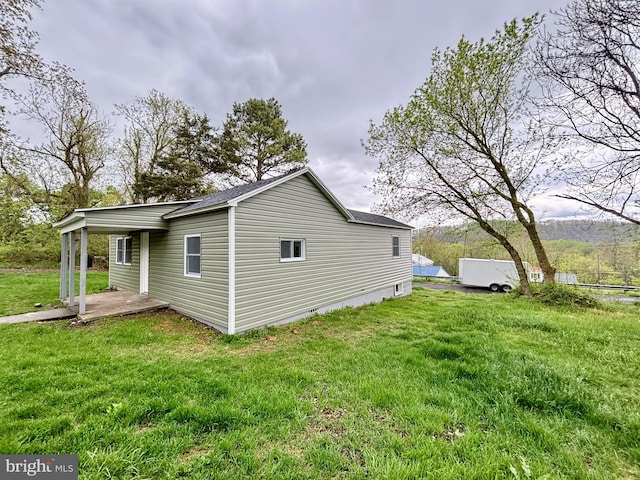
597,251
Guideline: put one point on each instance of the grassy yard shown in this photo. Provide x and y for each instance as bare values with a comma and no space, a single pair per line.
20,291
437,385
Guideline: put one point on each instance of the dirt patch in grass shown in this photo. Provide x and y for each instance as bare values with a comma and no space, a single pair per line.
194,452
181,326
143,428
451,432
329,421
269,339
266,345
291,449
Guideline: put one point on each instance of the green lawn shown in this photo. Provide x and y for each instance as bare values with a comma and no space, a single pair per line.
437,385
19,292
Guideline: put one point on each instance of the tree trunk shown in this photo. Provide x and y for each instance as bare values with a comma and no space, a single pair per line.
548,270
529,223
523,275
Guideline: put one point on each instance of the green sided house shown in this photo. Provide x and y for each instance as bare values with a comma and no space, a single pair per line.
265,253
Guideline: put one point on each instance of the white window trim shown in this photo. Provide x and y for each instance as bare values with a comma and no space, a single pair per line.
123,240
393,255
294,259
187,274
398,289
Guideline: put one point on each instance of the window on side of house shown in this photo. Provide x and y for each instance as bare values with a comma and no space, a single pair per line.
192,257
395,246
119,250
128,250
292,250
124,250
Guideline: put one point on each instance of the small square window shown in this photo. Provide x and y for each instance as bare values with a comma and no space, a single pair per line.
395,246
398,289
192,256
292,250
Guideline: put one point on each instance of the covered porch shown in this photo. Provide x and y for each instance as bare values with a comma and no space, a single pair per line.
122,220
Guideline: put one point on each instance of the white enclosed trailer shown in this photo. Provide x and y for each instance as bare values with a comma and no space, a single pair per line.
493,274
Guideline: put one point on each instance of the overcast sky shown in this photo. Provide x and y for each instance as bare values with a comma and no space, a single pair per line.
332,64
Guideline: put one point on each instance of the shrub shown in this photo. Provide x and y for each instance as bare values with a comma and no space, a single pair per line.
565,295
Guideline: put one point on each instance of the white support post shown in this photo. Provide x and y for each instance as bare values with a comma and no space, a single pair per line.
72,269
64,266
84,240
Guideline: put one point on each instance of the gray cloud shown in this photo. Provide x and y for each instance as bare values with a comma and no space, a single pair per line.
332,64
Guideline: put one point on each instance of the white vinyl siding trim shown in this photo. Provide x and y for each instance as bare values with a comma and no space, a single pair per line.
119,250
192,256
231,228
395,246
292,250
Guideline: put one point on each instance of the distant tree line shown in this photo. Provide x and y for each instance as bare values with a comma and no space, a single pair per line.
596,251
499,121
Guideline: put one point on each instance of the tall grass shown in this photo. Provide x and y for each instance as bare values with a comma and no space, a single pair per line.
437,385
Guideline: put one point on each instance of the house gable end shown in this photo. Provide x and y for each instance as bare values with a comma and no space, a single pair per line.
234,196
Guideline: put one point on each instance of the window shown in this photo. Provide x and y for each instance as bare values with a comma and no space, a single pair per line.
124,250
292,250
119,250
192,255
395,246
398,289
128,250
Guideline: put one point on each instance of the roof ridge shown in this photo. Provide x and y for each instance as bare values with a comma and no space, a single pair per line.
245,186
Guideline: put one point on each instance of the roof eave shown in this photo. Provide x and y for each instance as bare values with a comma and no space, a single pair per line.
71,218
403,227
135,205
195,211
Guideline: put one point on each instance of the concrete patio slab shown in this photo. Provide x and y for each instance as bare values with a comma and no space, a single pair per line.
99,305
116,303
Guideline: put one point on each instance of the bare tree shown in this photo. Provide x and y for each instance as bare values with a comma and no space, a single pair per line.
17,40
18,55
465,144
75,146
590,71
149,134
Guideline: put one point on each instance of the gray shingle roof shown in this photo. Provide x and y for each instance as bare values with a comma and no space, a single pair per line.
377,219
224,196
